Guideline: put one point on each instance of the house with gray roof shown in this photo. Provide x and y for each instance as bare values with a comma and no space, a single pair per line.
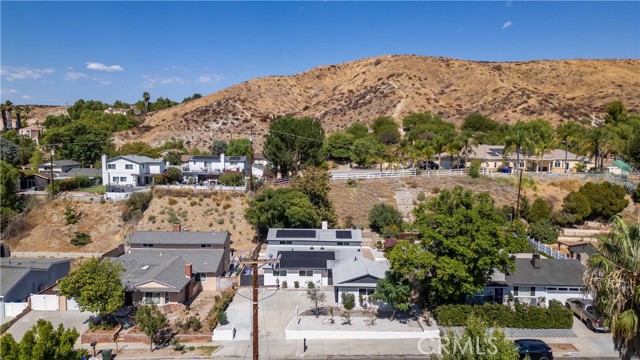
166,267
346,243
535,277
58,166
21,277
207,167
130,170
358,277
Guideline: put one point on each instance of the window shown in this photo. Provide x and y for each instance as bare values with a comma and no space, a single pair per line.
116,179
574,289
562,289
201,277
533,291
111,166
205,245
166,298
343,243
552,289
524,291
153,298
495,165
143,166
515,291
305,273
366,292
286,242
558,164
147,245
123,178
279,272
128,166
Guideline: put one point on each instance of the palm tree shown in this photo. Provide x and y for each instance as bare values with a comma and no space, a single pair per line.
8,106
27,111
518,138
4,116
468,138
565,134
19,110
613,278
146,97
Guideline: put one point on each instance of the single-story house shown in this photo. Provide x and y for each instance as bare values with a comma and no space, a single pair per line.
301,266
582,251
493,158
22,277
358,277
130,170
37,182
535,277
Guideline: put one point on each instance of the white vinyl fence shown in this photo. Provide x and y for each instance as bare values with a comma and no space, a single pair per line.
45,302
547,250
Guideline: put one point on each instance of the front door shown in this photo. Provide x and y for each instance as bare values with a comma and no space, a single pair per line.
498,295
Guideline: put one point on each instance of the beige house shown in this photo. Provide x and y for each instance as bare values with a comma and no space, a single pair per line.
164,267
493,158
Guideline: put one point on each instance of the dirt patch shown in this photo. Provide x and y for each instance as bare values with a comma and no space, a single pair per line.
200,211
166,352
557,348
46,228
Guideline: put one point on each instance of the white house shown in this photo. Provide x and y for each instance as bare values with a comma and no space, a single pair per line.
345,243
535,277
204,167
358,276
113,111
34,132
300,266
133,170
59,166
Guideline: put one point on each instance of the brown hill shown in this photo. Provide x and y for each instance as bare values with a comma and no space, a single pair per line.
361,90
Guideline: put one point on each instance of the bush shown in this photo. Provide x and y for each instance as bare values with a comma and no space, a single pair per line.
311,285
284,285
348,301
555,316
296,284
383,215
391,231
544,231
635,195
352,183
474,169
575,208
606,199
378,244
220,221
540,209
135,205
219,307
194,323
80,239
70,215
231,179
152,219
172,201
421,196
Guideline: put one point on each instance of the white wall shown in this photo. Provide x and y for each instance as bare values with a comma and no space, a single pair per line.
121,171
292,276
561,296
14,308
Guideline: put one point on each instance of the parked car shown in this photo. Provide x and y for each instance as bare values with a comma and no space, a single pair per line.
586,312
428,164
536,349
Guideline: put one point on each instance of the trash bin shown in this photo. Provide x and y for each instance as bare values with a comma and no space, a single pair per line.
106,354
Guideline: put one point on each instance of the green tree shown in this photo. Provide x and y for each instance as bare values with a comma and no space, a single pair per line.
382,215
339,146
219,147
365,151
81,106
358,130
476,342
239,147
42,341
5,121
293,144
567,134
542,136
146,97
605,199
151,321
9,151
575,208
519,140
281,208
231,179
633,150
316,295
540,209
393,291
616,112
78,141
469,239
9,200
139,148
479,123
314,183
613,279
96,286
35,160
8,107
173,175
544,231
636,195
174,158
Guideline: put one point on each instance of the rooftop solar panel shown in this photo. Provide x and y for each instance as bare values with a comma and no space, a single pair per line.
307,234
343,234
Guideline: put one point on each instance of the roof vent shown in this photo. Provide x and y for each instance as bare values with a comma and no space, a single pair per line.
146,267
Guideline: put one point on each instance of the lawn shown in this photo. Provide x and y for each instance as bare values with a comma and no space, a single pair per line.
95,189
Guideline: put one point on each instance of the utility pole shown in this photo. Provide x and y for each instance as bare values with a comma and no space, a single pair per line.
53,188
518,200
254,269
251,159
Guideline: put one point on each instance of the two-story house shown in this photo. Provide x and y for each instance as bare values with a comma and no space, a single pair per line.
202,167
59,166
34,132
164,267
130,170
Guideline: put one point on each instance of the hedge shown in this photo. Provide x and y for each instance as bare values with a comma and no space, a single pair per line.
555,316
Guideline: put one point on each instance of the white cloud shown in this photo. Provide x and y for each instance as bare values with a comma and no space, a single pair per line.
209,78
507,25
26,97
5,92
11,73
74,75
103,67
152,81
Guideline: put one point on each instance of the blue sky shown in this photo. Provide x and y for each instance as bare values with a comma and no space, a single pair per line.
58,52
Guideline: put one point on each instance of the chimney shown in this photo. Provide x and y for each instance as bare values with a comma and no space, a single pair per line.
188,271
535,260
177,227
325,225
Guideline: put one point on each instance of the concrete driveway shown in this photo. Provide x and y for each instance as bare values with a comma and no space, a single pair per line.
586,342
77,319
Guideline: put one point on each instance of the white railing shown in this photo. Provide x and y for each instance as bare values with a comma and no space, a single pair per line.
357,175
443,172
203,187
547,250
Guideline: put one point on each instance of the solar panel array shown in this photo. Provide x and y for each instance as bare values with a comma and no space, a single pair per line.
343,234
306,234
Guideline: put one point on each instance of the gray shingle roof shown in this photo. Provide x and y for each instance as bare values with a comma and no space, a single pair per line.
169,272
348,270
178,237
203,260
552,272
317,235
14,269
89,172
137,159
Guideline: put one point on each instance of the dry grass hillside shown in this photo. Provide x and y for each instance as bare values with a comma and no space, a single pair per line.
45,228
201,211
361,90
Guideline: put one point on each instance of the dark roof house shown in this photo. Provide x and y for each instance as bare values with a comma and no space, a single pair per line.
537,271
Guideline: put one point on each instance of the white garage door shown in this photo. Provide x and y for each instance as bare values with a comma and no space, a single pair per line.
72,305
44,302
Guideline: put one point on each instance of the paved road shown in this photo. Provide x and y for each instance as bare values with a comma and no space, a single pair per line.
76,319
